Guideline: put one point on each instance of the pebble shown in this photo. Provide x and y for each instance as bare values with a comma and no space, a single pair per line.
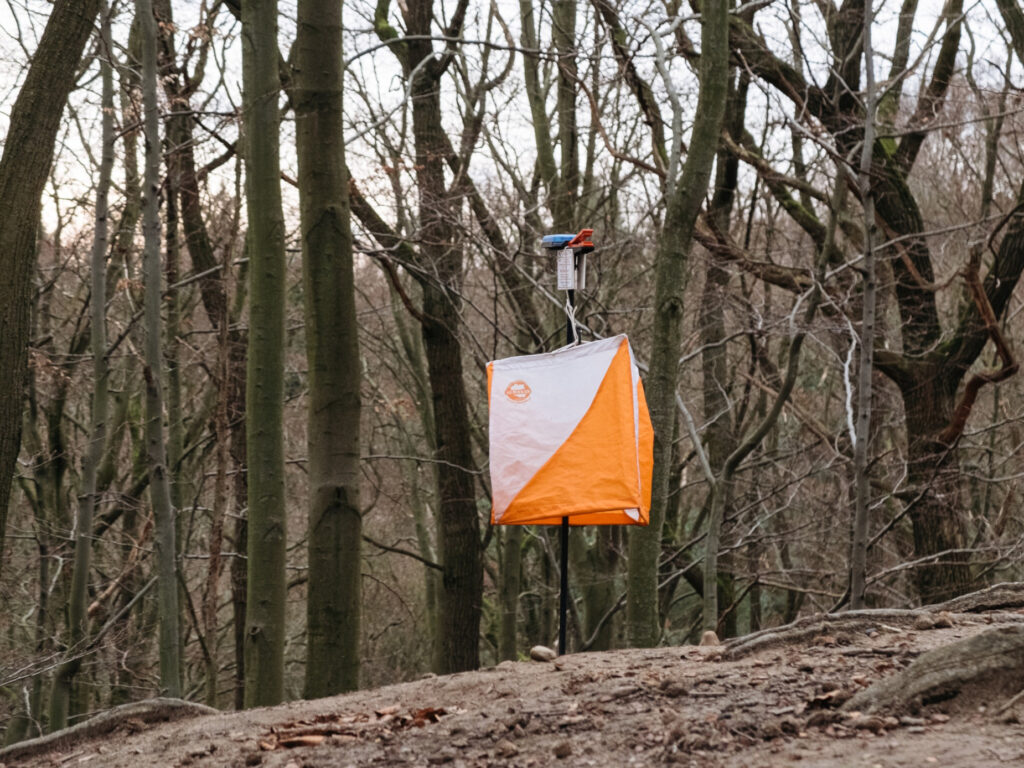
542,653
505,748
563,749
709,638
924,622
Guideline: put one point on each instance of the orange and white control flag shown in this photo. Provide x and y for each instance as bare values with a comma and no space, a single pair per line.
570,437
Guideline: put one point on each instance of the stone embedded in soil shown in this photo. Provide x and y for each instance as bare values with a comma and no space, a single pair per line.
563,749
924,622
505,748
709,638
542,653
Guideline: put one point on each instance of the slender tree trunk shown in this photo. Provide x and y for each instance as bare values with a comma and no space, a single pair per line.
215,295
461,599
159,484
424,519
546,167
267,534
719,431
859,542
332,350
563,202
77,620
508,599
644,627
24,166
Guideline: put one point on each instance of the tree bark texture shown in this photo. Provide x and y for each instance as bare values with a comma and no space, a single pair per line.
24,166
644,628
89,497
156,443
267,532
990,663
332,351
440,258
859,537
179,86
564,194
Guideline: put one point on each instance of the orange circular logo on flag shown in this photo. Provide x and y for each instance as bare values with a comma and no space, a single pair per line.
518,391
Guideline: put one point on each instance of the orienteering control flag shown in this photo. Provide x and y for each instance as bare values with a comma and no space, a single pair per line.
570,436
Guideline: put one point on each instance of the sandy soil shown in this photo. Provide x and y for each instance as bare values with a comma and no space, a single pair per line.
667,706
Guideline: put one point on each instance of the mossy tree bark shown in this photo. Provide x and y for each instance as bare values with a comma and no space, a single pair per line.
267,532
332,351
686,195
156,443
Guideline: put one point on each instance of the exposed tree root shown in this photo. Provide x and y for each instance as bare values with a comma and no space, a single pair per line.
136,712
809,627
986,663
999,597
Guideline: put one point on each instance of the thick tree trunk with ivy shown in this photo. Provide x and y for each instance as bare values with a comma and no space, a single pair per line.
332,352
671,266
24,166
266,593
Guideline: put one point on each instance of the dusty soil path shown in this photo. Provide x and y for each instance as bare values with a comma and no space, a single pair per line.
775,705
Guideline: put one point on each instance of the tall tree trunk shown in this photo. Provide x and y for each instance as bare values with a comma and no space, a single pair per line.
159,484
461,600
267,533
332,352
88,499
24,166
644,627
563,202
719,429
859,535
213,290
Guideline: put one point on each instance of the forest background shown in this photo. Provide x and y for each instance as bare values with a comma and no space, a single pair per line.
254,260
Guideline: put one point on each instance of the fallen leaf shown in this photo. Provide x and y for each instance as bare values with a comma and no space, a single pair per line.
421,717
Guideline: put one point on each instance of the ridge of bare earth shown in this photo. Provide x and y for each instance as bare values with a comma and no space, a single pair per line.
777,703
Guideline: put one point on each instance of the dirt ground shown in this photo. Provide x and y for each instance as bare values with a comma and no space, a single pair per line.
688,706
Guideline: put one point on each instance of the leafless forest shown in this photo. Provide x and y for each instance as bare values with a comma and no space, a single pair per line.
247,304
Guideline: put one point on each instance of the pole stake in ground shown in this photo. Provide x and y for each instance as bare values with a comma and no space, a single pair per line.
571,251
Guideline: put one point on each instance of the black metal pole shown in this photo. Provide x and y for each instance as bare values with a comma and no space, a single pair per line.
563,607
